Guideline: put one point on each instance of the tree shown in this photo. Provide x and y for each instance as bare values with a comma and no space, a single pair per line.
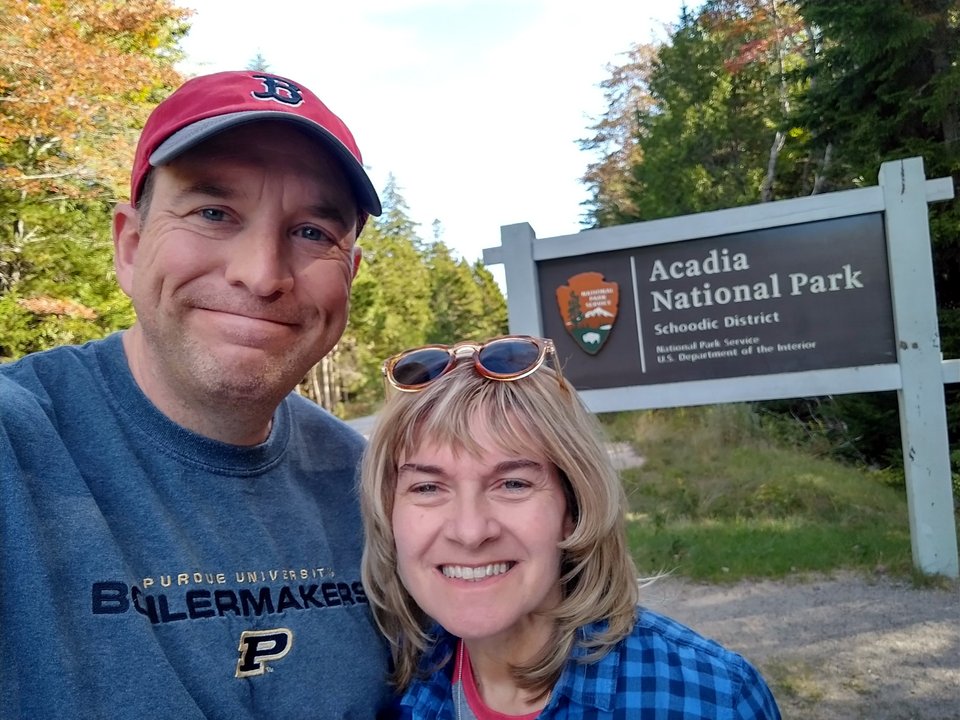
617,138
754,100
463,306
704,130
884,83
59,282
407,293
258,62
76,82
389,305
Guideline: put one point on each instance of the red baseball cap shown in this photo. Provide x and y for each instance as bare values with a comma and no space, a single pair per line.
210,104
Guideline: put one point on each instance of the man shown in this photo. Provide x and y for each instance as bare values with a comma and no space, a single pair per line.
180,537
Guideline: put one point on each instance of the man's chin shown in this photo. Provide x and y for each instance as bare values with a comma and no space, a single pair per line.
245,375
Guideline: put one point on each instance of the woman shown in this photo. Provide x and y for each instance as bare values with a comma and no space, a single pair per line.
496,558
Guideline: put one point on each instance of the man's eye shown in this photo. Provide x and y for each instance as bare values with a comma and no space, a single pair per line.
314,234
212,214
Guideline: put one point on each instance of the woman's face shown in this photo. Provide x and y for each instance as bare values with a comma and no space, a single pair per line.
477,537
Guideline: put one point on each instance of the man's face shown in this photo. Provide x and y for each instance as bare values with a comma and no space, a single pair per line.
240,272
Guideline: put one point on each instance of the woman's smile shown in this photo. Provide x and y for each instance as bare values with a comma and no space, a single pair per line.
475,572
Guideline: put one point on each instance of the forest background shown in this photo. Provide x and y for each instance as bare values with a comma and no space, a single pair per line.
746,101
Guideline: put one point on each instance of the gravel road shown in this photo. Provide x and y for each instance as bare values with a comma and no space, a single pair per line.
834,648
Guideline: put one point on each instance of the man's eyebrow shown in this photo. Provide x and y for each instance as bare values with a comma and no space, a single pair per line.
330,212
206,188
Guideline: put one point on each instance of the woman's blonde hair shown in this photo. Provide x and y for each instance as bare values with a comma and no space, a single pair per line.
598,578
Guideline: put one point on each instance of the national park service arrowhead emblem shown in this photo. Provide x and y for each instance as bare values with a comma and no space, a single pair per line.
588,306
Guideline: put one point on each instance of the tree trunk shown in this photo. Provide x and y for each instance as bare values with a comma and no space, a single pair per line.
821,177
766,187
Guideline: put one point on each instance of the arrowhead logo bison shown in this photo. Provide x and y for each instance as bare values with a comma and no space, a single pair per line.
588,306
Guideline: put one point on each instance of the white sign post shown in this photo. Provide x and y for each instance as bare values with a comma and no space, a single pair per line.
923,422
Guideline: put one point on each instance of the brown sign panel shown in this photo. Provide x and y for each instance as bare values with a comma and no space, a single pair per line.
801,297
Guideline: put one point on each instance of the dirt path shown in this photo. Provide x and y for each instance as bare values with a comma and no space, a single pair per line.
842,647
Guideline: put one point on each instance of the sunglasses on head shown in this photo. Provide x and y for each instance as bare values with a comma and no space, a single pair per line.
506,358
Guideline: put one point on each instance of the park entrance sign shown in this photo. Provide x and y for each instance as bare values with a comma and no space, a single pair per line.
809,296
822,295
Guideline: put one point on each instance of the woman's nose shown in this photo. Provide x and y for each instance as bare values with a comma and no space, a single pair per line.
472,521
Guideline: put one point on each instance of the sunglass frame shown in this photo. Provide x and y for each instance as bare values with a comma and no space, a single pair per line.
545,347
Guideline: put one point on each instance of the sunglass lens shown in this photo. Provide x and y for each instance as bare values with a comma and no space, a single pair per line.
509,357
420,366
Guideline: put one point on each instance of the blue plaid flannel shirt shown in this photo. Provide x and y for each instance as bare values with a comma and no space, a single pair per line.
661,671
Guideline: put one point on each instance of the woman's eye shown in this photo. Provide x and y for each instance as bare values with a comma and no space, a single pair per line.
424,489
515,484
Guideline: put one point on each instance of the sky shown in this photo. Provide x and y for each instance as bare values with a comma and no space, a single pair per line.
474,106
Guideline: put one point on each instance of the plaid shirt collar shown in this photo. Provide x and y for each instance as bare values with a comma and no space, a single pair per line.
595,689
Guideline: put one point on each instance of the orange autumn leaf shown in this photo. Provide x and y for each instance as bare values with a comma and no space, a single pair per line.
76,82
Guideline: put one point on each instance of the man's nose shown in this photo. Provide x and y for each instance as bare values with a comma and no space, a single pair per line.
472,521
259,261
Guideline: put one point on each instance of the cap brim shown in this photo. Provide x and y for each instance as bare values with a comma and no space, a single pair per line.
191,135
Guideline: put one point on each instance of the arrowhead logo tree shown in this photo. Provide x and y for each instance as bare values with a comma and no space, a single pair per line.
588,306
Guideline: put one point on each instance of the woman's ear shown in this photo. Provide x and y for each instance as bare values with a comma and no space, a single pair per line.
126,241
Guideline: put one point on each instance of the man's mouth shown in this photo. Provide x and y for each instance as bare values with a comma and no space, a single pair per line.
468,572
251,315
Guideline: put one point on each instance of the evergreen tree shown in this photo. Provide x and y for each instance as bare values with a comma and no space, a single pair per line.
76,83
464,308
409,293
703,126
616,139
884,84
390,302
259,63
754,100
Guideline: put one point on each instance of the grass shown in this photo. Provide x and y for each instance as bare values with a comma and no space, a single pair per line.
718,499
797,680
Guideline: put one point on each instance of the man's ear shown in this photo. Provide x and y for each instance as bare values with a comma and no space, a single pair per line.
357,257
126,241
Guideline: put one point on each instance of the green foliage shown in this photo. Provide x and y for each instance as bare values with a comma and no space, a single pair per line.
76,82
752,100
56,273
720,498
881,82
884,86
408,293
465,301
858,428
715,99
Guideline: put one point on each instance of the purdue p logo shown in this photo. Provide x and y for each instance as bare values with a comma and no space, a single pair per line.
274,88
258,647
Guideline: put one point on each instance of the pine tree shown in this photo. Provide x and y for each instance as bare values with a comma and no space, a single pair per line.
77,81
